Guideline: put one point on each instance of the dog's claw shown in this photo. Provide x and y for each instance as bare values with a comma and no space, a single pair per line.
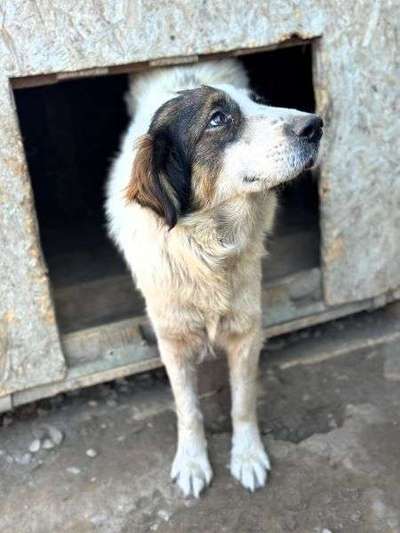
191,473
250,466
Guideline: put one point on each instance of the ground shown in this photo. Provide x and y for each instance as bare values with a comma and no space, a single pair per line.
332,429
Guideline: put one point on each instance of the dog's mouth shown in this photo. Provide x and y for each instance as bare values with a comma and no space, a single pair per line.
306,160
310,159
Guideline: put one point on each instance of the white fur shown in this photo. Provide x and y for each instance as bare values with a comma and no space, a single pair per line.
274,158
249,460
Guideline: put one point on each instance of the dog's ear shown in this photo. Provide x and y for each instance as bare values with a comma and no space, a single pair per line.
160,179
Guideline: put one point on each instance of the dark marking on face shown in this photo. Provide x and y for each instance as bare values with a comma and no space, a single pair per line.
184,152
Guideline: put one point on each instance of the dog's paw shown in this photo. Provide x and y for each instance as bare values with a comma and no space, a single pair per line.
191,471
250,463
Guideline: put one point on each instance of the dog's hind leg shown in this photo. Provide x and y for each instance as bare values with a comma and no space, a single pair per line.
191,468
249,461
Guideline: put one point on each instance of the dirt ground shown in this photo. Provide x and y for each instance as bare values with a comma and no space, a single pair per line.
332,430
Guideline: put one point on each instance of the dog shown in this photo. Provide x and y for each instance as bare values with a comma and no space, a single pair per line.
189,200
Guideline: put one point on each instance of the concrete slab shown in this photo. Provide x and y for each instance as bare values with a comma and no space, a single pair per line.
332,429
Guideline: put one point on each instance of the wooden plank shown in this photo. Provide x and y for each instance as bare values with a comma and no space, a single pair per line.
122,343
89,374
105,298
25,82
354,333
95,302
363,331
289,298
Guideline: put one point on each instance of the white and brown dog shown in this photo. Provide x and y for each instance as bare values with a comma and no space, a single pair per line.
189,201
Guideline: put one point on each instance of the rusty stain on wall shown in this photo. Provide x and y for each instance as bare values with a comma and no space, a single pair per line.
335,251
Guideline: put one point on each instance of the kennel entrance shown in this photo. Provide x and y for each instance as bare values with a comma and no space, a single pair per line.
71,131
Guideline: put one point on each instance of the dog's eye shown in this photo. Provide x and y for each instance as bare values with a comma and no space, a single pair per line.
218,119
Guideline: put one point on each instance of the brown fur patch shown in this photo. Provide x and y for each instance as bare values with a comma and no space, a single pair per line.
188,155
143,186
203,182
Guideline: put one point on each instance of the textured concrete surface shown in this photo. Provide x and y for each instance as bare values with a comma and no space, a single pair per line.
356,72
332,430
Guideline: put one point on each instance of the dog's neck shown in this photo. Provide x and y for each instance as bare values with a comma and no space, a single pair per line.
228,229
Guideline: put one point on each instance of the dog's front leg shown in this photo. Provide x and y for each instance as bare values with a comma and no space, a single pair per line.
191,468
249,461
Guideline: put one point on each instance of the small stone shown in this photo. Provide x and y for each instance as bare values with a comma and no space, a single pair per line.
73,470
48,444
93,480
103,426
164,515
24,459
326,530
112,403
91,453
34,446
92,403
55,435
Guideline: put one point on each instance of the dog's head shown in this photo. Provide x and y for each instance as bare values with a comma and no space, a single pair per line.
210,144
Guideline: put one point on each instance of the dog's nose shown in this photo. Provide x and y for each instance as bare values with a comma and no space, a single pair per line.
308,127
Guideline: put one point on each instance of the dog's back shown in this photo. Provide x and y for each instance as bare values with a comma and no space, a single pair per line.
148,90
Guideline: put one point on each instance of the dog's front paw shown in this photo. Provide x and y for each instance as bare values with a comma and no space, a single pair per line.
192,471
249,461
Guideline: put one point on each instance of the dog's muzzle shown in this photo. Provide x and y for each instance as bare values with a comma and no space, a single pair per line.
306,131
308,128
